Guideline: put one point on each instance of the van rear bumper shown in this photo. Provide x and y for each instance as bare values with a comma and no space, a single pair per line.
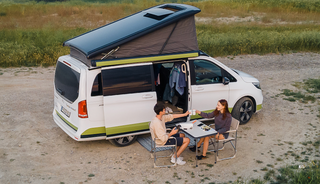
64,126
70,130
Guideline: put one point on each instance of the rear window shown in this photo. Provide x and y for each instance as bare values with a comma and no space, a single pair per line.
66,81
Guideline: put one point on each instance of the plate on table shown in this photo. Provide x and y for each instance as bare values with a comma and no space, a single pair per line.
205,128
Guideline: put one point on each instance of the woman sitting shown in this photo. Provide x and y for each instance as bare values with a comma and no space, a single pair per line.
222,119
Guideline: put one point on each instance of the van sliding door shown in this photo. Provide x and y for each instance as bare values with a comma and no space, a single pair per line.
129,97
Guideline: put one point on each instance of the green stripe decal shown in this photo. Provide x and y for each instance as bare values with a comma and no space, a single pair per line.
93,131
66,121
230,109
145,59
127,128
259,107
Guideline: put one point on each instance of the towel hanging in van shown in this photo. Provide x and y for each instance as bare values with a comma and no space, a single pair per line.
177,78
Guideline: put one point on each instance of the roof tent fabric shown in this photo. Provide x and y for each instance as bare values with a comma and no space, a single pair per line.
163,29
177,37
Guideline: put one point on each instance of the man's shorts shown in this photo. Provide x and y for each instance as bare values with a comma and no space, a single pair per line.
173,141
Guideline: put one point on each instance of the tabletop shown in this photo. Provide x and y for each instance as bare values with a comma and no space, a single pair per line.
196,129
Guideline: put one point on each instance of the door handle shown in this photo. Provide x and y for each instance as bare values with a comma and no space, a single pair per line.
199,89
147,96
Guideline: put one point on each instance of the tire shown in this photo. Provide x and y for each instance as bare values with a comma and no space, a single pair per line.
123,141
243,110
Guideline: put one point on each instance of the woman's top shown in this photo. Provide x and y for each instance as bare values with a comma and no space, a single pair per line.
221,125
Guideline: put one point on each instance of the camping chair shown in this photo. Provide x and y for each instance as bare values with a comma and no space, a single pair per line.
232,139
154,147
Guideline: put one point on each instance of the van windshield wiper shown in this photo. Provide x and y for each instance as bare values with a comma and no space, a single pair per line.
60,91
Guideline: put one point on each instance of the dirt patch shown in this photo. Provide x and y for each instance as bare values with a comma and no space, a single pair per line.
259,18
33,149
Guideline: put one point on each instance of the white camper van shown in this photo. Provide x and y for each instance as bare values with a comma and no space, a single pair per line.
108,85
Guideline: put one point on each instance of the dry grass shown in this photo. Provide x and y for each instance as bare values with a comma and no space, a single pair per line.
62,15
35,16
216,9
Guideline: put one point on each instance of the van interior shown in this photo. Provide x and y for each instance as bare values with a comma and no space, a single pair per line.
171,83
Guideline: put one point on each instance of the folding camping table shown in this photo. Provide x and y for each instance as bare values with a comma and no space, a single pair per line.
195,131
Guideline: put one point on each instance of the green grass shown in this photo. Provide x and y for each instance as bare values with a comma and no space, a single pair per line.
91,175
316,144
235,40
33,47
293,96
310,88
312,85
308,175
268,175
259,161
42,47
289,175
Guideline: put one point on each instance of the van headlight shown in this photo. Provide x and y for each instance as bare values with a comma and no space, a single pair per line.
257,85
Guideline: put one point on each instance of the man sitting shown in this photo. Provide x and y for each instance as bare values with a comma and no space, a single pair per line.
158,130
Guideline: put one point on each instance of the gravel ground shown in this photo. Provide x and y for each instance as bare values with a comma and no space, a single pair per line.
33,149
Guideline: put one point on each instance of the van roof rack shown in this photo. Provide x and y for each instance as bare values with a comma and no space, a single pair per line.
142,59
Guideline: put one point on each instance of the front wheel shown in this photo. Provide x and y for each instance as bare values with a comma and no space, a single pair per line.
123,141
243,110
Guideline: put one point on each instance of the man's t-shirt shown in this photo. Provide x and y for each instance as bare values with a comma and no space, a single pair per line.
158,129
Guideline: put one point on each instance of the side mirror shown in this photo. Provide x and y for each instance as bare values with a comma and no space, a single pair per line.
225,80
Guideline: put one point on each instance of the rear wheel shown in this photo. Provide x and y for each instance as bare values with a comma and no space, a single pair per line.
123,141
243,110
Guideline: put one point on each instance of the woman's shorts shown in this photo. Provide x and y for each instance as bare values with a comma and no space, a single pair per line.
173,141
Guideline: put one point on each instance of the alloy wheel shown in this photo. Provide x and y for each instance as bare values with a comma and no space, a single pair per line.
246,111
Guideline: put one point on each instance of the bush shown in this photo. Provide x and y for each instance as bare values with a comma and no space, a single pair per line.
33,47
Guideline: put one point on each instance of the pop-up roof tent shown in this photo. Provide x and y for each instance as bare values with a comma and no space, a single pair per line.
162,32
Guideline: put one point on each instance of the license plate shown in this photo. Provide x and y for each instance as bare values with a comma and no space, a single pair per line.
65,111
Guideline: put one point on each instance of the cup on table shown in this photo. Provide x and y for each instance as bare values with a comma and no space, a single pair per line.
192,112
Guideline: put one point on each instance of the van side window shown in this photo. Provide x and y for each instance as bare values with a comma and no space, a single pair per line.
229,76
133,79
96,87
206,72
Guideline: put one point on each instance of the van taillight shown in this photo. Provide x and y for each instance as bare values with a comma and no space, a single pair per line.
82,109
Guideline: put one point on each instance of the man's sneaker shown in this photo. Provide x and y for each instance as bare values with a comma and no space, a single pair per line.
180,162
173,160
173,157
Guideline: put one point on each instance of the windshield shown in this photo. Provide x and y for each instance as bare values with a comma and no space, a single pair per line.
66,81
